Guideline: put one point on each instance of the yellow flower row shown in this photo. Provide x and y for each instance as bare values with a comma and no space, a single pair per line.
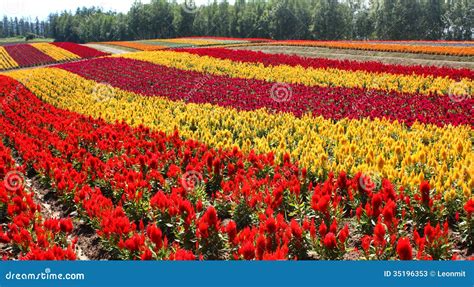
405,155
55,52
6,61
307,76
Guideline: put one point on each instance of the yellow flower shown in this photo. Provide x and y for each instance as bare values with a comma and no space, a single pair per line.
319,144
6,61
55,52
299,75
450,195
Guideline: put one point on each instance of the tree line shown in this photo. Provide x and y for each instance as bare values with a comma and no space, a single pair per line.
14,27
276,19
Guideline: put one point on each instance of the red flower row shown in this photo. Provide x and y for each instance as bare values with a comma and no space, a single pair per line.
24,231
80,50
331,102
317,63
26,55
153,196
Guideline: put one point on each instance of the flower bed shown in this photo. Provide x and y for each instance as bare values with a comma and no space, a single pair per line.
150,195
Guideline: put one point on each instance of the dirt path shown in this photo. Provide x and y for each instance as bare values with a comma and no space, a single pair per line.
88,243
385,57
50,208
107,48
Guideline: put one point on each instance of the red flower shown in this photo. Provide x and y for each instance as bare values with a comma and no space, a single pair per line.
323,229
388,212
66,225
312,229
203,229
323,203
429,232
231,230
155,235
261,246
425,192
376,202
296,229
270,225
146,255
134,243
182,254
469,207
330,241
4,237
80,50
404,249
173,170
359,211
365,242
211,216
343,234
52,224
199,206
333,227
379,233
247,250
329,102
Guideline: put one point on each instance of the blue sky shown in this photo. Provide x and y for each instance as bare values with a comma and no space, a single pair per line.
42,8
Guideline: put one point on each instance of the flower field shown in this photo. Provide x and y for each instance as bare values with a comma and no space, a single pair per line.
159,44
418,47
217,154
36,54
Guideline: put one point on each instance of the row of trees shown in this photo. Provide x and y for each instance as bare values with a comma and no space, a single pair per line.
277,19
14,27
